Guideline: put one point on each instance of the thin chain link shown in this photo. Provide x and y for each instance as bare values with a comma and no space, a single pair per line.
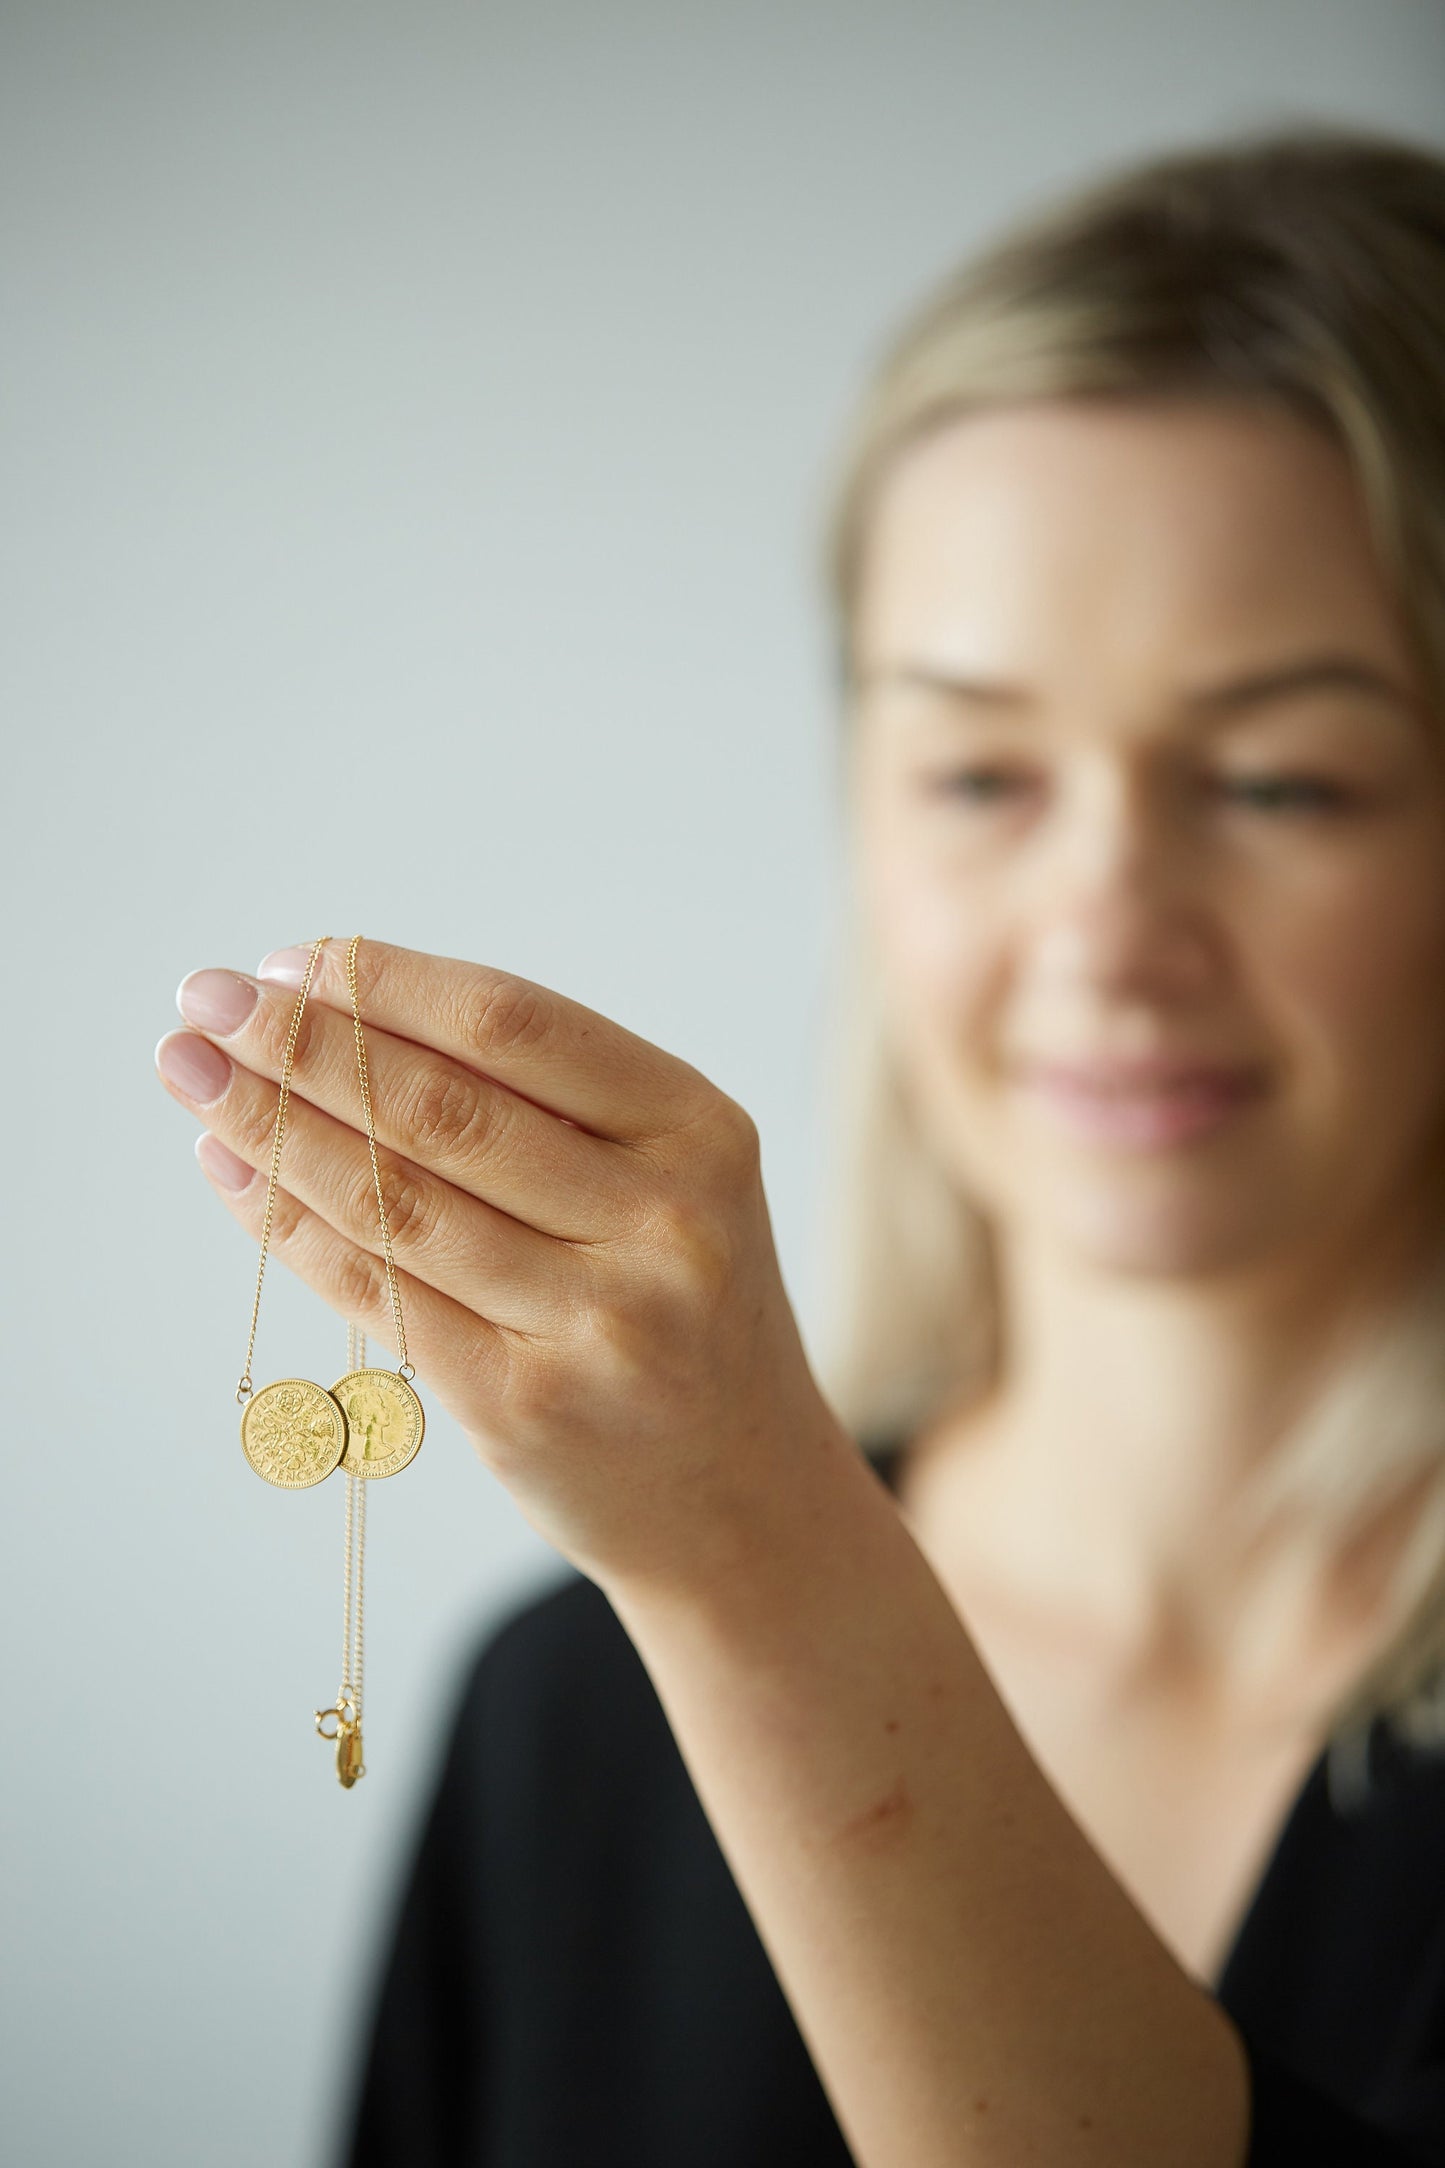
353,1657
245,1388
404,1368
353,1579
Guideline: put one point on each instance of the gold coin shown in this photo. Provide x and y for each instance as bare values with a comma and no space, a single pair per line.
384,1421
294,1433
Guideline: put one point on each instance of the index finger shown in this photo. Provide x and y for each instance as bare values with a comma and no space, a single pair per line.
564,1057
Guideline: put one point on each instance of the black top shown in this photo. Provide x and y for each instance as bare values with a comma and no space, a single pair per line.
574,1981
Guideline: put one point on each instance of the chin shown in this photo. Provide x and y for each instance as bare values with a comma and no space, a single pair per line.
1168,1237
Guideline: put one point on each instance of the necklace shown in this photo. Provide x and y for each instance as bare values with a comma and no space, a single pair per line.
293,1431
346,1708
384,1418
370,1423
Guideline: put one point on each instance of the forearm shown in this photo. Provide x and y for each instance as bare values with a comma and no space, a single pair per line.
972,1982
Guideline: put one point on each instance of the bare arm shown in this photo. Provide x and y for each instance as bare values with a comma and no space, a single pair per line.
592,1287
972,1982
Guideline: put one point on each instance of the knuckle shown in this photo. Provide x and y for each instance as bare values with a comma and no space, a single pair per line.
371,969
738,1135
255,1124
691,1222
537,1391
619,1336
507,1016
270,1030
642,1339
695,1244
361,1285
455,1114
288,1217
409,1200
614,1363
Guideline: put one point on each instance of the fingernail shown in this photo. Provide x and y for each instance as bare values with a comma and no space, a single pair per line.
216,1000
221,1163
288,965
194,1066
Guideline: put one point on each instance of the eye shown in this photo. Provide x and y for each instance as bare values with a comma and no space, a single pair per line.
1289,793
976,786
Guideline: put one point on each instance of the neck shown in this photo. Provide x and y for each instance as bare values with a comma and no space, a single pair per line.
1103,1473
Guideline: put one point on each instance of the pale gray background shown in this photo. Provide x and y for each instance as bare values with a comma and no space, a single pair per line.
416,422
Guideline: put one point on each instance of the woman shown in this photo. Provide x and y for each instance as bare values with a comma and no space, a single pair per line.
1060,1778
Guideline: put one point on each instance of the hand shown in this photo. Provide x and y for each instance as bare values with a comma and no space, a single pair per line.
586,1266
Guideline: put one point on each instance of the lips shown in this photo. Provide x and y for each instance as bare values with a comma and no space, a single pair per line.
1156,1073
1142,1104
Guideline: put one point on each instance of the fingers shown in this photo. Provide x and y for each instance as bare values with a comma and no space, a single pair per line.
465,1357
458,1246
568,1058
437,1111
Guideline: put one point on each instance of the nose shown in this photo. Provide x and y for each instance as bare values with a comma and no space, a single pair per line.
1121,904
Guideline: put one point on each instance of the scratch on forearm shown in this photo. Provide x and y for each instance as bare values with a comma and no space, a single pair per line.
883,1822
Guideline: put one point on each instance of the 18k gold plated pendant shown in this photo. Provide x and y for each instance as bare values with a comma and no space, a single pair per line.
294,1433
385,1421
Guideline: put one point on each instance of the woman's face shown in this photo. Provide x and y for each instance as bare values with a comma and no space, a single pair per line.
1142,775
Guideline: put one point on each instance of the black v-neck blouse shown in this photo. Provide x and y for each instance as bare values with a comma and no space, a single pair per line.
572,1978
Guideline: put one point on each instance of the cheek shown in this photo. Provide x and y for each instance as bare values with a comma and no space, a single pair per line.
943,956
941,953
1363,968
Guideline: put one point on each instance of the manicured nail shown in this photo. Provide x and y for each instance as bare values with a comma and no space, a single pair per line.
216,1000
286,965
194,1066
221,1163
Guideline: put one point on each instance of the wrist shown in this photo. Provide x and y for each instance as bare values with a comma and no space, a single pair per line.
794,1519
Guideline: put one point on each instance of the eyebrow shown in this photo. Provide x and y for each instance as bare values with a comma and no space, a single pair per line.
1313,673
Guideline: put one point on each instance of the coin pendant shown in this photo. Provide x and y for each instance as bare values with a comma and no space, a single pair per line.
294,1433
384,1421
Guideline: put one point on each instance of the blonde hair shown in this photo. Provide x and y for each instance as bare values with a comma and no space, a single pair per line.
1305,266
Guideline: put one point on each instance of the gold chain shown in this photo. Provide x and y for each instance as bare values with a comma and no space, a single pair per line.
404,1368
353,1571
302,1431
245,1387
